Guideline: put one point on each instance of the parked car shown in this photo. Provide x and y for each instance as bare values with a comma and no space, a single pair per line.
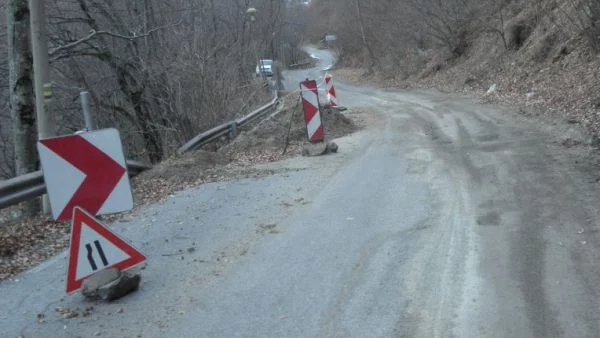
264,68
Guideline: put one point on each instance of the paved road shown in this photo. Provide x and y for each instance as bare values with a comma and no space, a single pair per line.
324,60
442,218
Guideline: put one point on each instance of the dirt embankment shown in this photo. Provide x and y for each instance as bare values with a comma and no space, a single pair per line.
288,127
544,67
25,243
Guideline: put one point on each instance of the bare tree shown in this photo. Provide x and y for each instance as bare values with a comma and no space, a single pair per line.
491,17
584,17
158,70
21,91
168,68
364,36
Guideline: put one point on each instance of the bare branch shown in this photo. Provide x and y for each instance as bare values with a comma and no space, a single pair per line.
93,34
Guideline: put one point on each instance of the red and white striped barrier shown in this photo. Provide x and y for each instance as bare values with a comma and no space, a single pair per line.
330,91
312,114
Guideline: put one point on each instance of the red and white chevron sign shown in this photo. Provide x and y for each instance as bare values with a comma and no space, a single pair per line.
330,90
86,170
312,115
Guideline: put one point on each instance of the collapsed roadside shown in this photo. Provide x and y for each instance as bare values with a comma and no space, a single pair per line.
26,243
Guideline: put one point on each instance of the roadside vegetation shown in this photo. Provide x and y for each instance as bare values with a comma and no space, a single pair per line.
159,71
542,54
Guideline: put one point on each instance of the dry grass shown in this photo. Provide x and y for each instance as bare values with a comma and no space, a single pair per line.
547,73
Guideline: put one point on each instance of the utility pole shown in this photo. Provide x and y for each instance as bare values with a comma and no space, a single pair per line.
41,72
252,12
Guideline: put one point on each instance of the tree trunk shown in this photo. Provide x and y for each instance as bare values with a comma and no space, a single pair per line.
364,37
22,97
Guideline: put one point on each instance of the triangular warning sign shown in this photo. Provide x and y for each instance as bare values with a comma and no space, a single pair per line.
94,248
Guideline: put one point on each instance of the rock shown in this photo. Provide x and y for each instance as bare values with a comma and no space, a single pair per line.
595,141
94,282
332,147
124,286
469,81
314,149
104,285
320,148
530,95
493,89
573,137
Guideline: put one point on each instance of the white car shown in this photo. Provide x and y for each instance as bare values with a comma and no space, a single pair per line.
264,68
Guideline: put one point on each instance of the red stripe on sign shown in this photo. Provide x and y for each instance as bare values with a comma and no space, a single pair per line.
310,102
102,173
330,90
81,217
309,110
327,83
318,135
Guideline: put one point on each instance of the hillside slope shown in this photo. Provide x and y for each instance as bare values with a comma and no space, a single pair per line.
541,54
549,69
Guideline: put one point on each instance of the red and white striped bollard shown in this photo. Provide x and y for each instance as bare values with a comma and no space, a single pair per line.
312,114
330,91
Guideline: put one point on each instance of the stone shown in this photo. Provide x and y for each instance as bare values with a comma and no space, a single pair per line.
97,280
332,147
314,149
339,108
103,285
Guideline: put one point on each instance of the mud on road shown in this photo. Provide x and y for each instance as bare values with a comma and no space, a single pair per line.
512,243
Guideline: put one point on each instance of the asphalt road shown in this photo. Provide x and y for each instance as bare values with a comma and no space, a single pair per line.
441,218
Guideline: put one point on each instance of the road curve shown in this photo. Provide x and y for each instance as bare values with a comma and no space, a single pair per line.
441,218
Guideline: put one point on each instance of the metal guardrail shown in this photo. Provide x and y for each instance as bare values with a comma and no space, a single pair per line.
29,186
300,64
225,128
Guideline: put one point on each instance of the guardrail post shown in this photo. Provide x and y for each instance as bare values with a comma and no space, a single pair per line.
87,114
233,130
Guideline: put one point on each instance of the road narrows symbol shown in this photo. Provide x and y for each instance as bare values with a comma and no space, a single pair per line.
90,258
101,253
90,254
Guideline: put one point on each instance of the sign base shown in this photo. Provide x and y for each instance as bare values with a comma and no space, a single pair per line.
314,149
111,284
338,108
319,148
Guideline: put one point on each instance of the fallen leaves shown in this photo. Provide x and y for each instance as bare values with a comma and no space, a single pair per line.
26,243
566,88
